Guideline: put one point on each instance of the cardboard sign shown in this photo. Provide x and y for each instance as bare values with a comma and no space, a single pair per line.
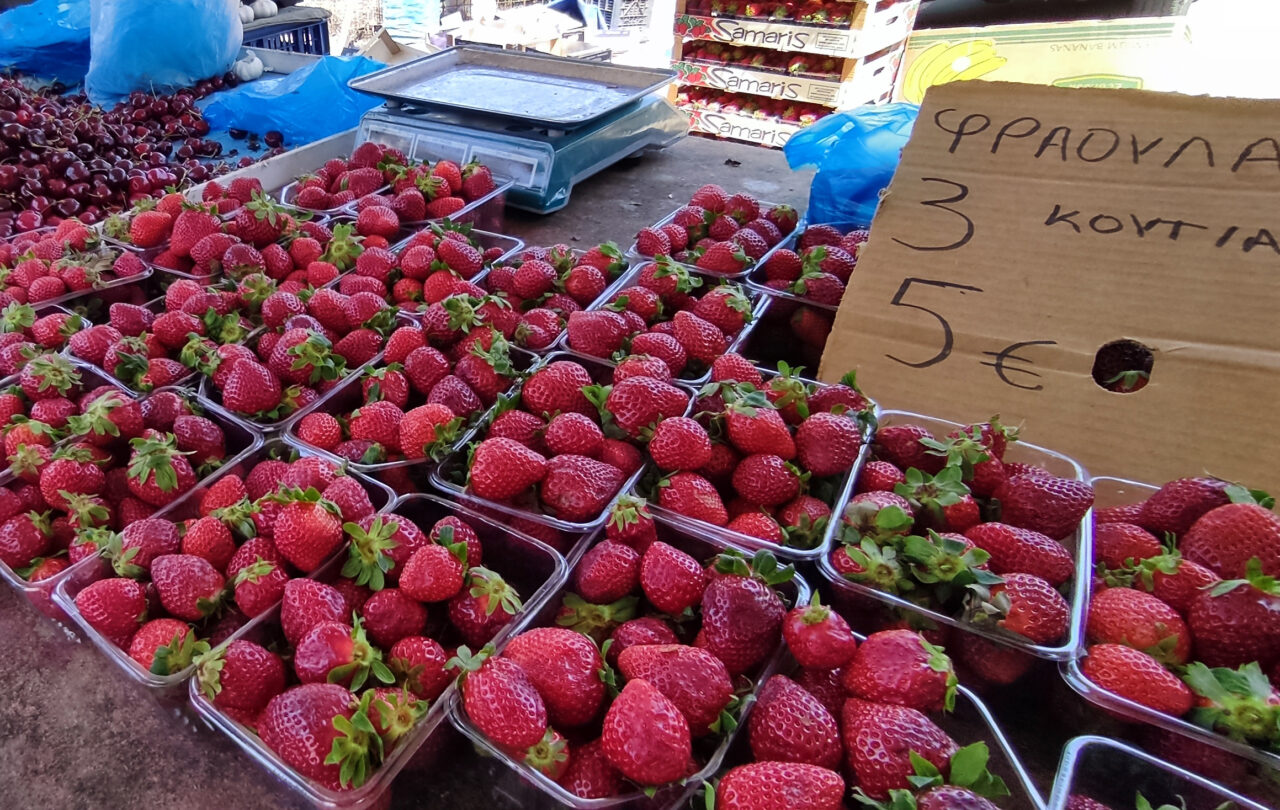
1029,226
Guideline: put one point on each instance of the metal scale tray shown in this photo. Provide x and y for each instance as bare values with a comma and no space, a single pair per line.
538,89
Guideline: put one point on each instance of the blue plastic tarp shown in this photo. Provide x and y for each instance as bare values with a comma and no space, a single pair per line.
48,39
305,106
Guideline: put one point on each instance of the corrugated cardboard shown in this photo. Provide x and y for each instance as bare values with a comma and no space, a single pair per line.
1016,251
1141,53
872,28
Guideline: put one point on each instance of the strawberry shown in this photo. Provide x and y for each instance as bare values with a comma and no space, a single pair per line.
477,181
756,524
828,444
390,615
623,455
901,445
1049,505
652,242
434,573
557,387
1173,580
242,676
189,587
607,573
564,666
485,605
165,646
701,340
259,585
115,607
680,443
796,786
503,468
693,679
69,472
742,614
766,479
900,667
1177,505
662,346
149,228
637,404
158,473
210,539
307,530
597,333
322,731
589,775
879,739
1235,622
1027,605
645,736
755,427
723,258
693,496
1023,551
500,700
338,653
818,637
734,367
307,603
1134,675
789,725
577,488
251,389
1122,545
1139,620
1225,539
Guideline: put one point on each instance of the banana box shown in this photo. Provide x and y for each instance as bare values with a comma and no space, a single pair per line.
1139,53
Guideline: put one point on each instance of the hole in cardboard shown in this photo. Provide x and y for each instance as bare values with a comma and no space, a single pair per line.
1123,366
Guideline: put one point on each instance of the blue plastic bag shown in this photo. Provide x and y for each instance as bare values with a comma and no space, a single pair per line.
159,46
856,153
304,106
48,38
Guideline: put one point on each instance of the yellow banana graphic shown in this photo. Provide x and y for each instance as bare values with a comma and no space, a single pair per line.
912,90
943,62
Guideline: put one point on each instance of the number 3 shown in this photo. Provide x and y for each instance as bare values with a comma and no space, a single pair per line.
947,338
962,191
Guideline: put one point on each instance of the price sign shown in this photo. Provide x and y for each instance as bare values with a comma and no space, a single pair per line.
1037,243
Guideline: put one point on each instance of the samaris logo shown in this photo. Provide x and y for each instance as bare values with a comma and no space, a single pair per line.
725,127
725,78
781,40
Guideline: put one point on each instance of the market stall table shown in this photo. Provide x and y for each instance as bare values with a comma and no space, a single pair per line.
74,734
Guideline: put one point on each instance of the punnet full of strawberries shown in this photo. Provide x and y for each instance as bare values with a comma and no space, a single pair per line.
62,263
718,233
1183,615
765,457
948,522
336,680
180,582
684,320
819,267
641,673
564,445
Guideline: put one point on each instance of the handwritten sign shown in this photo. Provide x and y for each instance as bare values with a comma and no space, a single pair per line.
1028,227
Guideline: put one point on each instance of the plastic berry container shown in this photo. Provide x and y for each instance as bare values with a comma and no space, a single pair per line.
533,789
1118,492
40,592
1079,544
171,689
536,572
1114,773
838,490
756,277
741,274
451,474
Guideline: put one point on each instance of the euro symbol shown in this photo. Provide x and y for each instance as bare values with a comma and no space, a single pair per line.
1003,357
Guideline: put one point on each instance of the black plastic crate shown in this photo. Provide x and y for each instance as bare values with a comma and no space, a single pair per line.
309,37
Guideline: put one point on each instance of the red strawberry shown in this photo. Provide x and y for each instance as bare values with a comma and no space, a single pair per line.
243,676
307,530
307,603
789,725
1139,620
115,607
1226,538
879,738
485,605
900,667
607,573
339,653
1173,580
189,587
652,242
754,428
503,468
1121,545
1023,551
1236,622
702,340
501,701
795,786
742,617
1177,505
564,666
638,404
645,736
597,333
390,615
165,646
693,496
901,446
828,444
1049,505
818,637
306,724
577,488
251,389
1134,675
693,679
680,443
1027,605
766,479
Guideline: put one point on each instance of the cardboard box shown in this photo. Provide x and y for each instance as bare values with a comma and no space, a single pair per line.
874,27
1030,231
1136,53
741,127
861,80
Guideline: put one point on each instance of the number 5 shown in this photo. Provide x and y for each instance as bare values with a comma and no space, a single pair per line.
947,338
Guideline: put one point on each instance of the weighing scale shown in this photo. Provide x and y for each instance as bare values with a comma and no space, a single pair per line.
544,122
